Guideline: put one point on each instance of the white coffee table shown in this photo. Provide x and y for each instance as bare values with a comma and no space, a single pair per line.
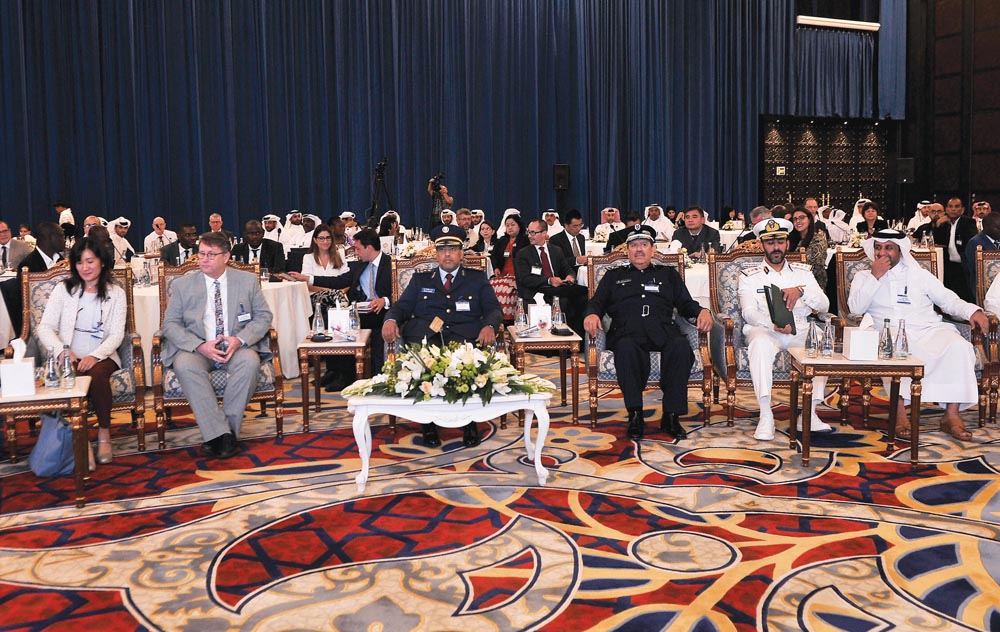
447,415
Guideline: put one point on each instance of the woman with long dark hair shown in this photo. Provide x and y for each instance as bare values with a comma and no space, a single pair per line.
487,238
87,312
814,241
502,258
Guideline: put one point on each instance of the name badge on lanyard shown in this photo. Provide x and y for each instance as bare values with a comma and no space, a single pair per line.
903,298
651,287
243,316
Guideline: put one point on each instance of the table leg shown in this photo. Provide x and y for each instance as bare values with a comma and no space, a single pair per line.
363,437
359,363
807,391
562,375
81,465
10,424
893,411
304,375
575,360
845,399
316,380
793,403
519,365
866,401
535,452
915,390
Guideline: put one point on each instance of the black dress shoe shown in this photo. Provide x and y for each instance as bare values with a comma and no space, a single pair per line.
470,437
328,377
672,424
335,385
636,424
431,438
208,449
228,446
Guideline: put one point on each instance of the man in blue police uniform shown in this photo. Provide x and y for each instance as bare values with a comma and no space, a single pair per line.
449,304
640,299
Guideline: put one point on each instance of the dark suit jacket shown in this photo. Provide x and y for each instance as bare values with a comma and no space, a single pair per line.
618,238
707,237
880,224
528,283
171,251
497,257
352,283
965,230
982,239
561,241
425,299
272,255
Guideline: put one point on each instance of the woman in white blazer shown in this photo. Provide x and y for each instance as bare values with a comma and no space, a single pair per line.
87,312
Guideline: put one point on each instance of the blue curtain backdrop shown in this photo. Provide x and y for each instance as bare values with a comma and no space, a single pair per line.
180,108
834,73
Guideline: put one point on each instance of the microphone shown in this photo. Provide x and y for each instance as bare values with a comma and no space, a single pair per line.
732,246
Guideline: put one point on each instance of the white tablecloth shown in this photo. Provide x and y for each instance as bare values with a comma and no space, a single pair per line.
289,303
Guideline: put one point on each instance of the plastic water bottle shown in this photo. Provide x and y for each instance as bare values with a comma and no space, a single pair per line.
885,350
902,344
812,341
520,317
51,370
353,322
826,350
68,377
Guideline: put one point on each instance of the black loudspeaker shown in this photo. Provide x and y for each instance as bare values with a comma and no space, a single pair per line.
560,177
904,170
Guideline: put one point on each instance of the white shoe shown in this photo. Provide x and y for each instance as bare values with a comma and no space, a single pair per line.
765,427
815,424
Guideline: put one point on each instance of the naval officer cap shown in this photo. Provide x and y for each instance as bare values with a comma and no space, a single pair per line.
448,235
772,228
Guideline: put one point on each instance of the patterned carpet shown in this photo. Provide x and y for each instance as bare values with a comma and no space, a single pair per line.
717,532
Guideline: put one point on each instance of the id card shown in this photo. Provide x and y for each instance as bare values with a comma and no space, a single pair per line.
462,306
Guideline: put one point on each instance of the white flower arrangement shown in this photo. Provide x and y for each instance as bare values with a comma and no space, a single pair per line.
408,250
601,235
455,372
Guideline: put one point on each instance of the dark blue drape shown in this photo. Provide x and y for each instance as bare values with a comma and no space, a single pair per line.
892,60
179,108
834,73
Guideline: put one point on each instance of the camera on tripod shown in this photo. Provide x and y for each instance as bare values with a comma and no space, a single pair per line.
381,165
436,181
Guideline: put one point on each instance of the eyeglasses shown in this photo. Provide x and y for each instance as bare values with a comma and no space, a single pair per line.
800,218
209,255
535,232
90,225
327,238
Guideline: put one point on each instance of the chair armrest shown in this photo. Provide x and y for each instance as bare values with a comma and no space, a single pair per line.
272,336
156,363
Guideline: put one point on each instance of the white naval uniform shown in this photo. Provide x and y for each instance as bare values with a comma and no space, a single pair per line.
763,342
910,292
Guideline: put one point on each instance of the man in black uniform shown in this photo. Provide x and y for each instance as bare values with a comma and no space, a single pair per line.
449,304
640,299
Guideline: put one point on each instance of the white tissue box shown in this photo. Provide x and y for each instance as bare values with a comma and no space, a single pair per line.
17,377
338,319
539,315
860,344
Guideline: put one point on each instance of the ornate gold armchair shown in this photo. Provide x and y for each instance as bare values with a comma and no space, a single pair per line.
601,371
167,392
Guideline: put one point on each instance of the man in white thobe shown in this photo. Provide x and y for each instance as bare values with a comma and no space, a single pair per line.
896,288
293,236
921,217
764,339
272,227
656,220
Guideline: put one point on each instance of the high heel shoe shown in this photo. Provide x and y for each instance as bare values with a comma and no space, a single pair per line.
104,455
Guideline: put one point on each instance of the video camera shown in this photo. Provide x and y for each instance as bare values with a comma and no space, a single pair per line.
436,181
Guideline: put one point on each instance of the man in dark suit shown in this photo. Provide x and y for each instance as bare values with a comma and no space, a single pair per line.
183,248
234,340
255,248
952,231
448,304
989,239
695,236
51,241
543,269
618,237
570,240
